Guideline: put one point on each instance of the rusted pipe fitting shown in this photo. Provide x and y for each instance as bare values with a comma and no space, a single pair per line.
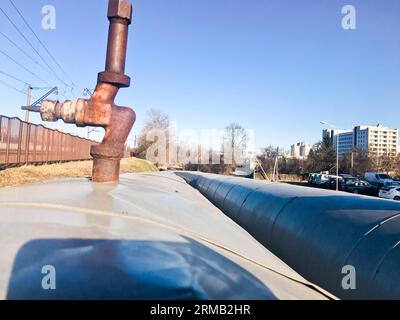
107,155
101,110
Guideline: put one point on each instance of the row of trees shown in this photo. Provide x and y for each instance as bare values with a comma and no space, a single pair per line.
322,157
226,153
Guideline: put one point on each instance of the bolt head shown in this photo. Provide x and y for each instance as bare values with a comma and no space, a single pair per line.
120,9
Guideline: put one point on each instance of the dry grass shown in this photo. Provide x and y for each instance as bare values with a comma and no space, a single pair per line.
31,174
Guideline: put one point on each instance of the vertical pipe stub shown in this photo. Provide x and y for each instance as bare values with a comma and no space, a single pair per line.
107,155
105,170
120,17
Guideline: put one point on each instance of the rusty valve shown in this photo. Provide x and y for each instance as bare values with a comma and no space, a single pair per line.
101,110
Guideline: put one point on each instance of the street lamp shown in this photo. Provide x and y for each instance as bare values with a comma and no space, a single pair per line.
337,151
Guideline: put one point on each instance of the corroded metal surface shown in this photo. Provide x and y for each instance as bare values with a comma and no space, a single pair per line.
317,232
150,236
101,110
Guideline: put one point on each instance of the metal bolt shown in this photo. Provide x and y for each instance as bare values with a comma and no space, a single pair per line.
120,9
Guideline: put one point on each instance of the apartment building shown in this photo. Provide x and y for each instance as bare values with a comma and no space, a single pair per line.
300,150
378,140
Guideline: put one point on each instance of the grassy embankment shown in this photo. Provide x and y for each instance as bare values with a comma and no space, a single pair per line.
32,174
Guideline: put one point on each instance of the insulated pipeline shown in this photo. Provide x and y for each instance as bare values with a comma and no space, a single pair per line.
326,236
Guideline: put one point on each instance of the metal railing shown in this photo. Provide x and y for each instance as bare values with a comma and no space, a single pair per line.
27,143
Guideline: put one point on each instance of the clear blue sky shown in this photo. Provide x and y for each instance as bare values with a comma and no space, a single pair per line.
275,66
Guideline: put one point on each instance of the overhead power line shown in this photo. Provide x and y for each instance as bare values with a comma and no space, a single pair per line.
18,47
23,67
25,53
12,87
31,45
15,78
24,82
41,43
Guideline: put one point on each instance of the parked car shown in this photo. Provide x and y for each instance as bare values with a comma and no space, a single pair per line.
378,178
316,178
331,183
322,180
359,186
312,177
390,191
346,175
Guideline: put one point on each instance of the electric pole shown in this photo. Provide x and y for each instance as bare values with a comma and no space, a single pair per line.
89,131
28,103
352,163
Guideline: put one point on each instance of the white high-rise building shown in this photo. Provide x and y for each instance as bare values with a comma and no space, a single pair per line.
300,150
378,140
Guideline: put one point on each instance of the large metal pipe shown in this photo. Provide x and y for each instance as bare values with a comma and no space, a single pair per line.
316,232
151,237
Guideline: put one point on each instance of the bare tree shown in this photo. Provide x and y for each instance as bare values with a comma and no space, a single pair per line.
267,158
235,142
396,170
155,120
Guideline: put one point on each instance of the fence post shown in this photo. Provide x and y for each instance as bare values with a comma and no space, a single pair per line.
21,126
48,145
8,141
28,137
35,144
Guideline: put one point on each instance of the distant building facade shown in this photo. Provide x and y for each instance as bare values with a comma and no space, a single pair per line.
377,140
300,150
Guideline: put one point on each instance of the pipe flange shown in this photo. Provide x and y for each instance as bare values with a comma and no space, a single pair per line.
121,80
103,151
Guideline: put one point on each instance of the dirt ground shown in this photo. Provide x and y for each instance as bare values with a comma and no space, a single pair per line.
31,174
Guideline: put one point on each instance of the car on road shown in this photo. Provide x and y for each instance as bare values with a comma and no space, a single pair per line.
358,186
378,178
390,191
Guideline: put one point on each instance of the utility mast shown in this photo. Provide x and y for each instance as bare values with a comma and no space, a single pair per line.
28,103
